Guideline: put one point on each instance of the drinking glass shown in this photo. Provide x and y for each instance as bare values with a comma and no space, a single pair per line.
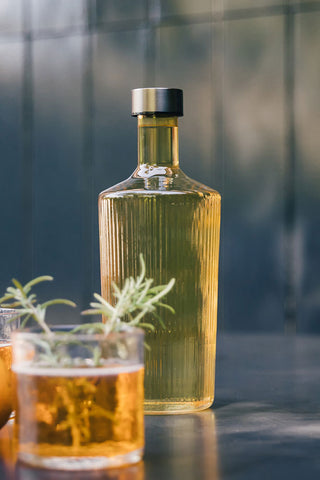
8,323
79,399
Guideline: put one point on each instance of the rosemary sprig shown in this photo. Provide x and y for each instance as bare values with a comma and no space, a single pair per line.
26,303
134,301
137,298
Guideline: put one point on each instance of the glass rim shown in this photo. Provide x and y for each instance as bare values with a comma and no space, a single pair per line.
9,311
62,332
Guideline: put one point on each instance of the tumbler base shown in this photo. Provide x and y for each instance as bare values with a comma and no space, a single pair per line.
81,463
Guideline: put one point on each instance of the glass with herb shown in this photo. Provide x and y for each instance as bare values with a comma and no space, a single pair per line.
80,390
80,399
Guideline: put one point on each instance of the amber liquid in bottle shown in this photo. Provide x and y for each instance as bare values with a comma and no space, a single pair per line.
175,223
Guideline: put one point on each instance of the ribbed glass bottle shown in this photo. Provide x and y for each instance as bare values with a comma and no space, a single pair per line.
175,223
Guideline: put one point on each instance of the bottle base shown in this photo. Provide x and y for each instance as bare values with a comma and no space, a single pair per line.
155,407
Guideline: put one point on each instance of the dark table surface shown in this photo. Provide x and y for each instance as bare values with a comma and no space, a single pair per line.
265,422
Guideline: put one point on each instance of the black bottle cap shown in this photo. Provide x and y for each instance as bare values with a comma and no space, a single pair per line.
157,101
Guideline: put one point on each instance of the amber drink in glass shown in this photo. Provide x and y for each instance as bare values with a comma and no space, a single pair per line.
84,407
8,323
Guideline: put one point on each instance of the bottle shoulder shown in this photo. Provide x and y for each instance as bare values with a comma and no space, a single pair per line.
173,183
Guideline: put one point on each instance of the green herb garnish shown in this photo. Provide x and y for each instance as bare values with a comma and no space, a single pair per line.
137,298
27,305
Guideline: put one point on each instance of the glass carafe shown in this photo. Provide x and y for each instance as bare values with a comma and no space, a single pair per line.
174,222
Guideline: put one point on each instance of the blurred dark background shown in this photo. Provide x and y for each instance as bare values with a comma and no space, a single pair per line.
250,71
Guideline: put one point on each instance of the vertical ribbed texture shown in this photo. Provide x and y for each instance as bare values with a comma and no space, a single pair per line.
178,234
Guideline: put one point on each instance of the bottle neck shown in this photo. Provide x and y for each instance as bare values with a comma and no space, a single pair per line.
158,141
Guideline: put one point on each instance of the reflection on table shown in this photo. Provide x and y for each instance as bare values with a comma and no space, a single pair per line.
191,441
